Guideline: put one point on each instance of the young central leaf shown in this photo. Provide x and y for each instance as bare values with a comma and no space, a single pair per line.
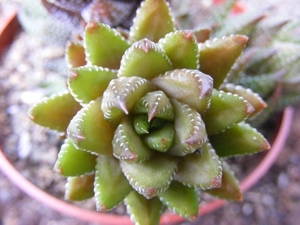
121,95
160,139
190,86
152,176
144,59
190,130
155,104
127,145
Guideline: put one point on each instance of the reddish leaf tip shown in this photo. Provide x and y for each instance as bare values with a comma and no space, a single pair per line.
145,45
122,105
217,182
188,34
241,39
193,217
151,192
73,75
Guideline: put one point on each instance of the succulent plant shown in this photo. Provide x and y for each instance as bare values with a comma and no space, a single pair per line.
269,65
148,117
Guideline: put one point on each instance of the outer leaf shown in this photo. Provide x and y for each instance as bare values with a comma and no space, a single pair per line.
182,49
144,59
89,131
121,95
127,145
55,112
254,99
183,200
190,130
218,56
155,104
143,211
230,189
226,109
104,46
152,176
111,186
89,82
189,86
240,139
153,21
202,35
80,188
74,162
202,170
75,55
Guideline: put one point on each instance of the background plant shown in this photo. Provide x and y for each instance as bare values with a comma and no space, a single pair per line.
270,63
148,118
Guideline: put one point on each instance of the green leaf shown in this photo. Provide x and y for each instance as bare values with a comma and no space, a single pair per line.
80,188
190,86
144,59
254,99
127,145
89,131
230,189
89,82
55,112
141,124
153,21
182,200
111,186
74,162
190,130
104,46
219,55
182,49
240,139
152,176
143,211
202,170
155,104
161,139
121,95
75,55
226,109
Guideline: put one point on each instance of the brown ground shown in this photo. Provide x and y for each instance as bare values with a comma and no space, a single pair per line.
27,73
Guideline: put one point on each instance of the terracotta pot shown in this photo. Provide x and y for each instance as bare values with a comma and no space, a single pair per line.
9,26
109,219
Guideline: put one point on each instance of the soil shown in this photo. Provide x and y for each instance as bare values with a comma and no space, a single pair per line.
32,69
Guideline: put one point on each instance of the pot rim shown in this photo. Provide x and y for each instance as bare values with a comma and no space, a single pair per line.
167,218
